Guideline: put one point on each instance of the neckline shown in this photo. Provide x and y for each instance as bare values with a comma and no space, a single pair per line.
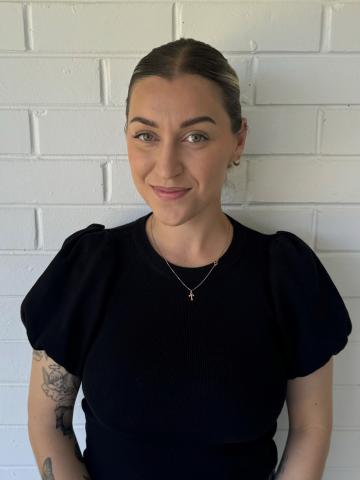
157,262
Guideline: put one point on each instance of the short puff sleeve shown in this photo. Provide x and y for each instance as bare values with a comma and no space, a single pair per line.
58,311
311,315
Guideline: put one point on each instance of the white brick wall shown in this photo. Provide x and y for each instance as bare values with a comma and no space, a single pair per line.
64,72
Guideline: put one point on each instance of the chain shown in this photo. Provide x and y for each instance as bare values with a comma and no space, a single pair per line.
191,295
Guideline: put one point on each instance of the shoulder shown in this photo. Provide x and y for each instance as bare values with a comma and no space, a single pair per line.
280,245
91,232
297,269
82,246
98,247
287,245
285,240
95,236
288,252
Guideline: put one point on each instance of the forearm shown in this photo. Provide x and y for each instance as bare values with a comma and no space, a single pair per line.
305,455
58,457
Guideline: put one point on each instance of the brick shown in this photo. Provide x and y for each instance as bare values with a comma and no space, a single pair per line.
299,179
50,181
92,27
340,132
280,130
94,132
254,26
338,228
315,79
11,28
345,31
17,227
49,80
14,132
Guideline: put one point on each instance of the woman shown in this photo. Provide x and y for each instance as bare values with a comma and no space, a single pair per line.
187,329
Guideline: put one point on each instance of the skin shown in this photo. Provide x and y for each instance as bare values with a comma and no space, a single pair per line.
171,156
47,471
62,388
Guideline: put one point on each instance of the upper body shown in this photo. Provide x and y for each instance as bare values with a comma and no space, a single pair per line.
178,380
173,385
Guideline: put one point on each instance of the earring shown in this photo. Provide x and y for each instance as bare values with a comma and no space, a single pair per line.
236,162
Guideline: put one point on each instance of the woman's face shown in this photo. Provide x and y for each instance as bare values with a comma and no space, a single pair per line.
168,154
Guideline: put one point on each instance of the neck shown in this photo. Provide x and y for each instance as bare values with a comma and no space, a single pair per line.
195,242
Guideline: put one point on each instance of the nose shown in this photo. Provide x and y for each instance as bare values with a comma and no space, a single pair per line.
168,163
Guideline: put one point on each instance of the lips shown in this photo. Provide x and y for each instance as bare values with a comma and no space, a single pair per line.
171,194
171,189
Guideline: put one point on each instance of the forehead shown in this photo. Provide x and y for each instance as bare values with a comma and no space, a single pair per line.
183,97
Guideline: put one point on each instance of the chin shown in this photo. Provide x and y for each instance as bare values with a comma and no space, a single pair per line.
173,217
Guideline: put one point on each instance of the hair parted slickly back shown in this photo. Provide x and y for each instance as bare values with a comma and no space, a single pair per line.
190,56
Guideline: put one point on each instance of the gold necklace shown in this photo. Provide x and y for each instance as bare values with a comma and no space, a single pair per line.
191,295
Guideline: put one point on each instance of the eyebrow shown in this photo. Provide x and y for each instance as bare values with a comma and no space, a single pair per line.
185,123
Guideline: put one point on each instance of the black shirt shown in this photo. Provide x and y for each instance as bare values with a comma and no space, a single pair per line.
179,388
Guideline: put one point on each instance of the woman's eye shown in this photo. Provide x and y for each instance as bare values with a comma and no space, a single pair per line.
139,135
199,135
191,135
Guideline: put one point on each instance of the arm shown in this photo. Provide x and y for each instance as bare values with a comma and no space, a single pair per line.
52,395
310,408
304,456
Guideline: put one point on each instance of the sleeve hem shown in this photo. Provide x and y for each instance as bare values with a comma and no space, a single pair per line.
319,361
55,355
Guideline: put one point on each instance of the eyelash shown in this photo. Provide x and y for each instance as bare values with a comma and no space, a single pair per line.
199,134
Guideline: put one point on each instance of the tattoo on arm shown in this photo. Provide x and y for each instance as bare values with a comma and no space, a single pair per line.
39,354
62,387
47,473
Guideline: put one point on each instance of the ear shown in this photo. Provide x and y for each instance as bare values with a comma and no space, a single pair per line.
240,140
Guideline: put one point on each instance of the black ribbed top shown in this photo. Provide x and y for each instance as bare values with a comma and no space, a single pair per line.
175,388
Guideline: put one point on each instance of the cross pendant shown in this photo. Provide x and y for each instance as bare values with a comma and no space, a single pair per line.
191,295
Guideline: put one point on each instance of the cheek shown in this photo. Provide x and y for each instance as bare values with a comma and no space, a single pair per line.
210,166
135,153
140,164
